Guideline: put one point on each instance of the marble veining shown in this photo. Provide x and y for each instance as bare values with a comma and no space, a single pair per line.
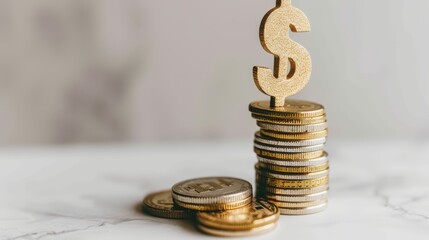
378,190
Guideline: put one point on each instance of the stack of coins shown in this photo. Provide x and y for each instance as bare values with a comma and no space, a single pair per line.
224,206
292,169
212,193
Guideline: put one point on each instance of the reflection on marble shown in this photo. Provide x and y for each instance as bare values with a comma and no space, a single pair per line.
379,190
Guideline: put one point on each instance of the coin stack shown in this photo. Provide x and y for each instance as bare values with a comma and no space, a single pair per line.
292,169
212,193
224,206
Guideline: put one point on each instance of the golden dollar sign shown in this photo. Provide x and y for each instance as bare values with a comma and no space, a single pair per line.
292,62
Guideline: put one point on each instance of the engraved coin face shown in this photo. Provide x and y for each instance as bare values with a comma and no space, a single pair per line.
256,214
212,190
292,108
160,204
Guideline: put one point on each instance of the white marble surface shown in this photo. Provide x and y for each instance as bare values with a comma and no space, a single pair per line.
379,190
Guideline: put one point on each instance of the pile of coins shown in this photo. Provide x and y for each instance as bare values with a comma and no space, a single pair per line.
292,169
223,206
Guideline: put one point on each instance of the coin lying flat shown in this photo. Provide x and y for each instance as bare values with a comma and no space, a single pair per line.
288,156
257,214
301,198
289,149
243,233
217,191
282,169
294,192
293,176
215,206
292,108
281,183
303,211
160,204
299,204
288,163
288,120
287,143
293,128
294,136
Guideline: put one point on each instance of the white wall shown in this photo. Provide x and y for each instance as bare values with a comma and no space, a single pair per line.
159,70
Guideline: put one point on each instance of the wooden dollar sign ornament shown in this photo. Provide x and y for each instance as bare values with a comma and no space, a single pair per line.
292,63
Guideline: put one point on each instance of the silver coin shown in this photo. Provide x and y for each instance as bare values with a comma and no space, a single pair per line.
283,191
286,143
303,211
212,190
293,128
288,163
294,176
302,198
290,149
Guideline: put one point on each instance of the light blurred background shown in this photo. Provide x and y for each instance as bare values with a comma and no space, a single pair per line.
88,71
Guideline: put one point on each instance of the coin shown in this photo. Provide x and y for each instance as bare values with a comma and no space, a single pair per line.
288,143
226,233
308,176
281,183
298,204
160,204
290,149
215,206
212,190
295,192
282,169
288,156
302,198
257,214
303,211
292,108
293,128
289,163
289,121
294,136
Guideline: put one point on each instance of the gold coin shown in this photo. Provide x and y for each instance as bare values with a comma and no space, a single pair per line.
292,108
282,183
303,211
289,156
290,176
215,206
257,214
287,143
282,169
226,233
294,136
298,204
212,190
289,121
264,189
160,204
288,198
293,128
